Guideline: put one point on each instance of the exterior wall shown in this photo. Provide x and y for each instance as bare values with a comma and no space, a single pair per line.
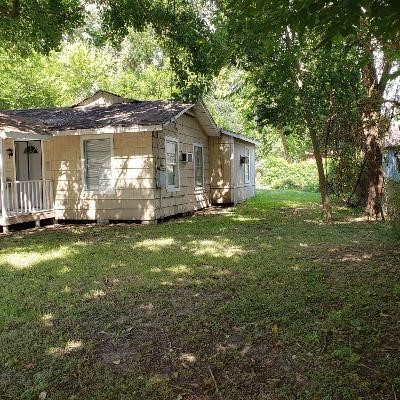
227,174
134,197
9,161
221,169
242,190
188,198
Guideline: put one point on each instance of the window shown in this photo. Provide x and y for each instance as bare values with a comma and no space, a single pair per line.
171,156
198,166
97,159
247,165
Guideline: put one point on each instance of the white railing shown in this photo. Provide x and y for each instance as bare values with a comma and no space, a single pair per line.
25,197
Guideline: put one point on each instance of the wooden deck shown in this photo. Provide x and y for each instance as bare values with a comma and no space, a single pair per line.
35,216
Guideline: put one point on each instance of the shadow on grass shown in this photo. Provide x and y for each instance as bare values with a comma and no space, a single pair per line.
258,301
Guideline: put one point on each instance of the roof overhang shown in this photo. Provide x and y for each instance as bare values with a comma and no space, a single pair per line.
23,135
206,120
240,137
108,130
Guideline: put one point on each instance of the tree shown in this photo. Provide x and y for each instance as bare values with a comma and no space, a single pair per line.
138,69
255,28
371,26
196,49
38,25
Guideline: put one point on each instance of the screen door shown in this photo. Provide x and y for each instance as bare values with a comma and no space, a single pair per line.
28,160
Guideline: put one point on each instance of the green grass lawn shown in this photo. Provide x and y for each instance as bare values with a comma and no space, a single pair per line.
261,301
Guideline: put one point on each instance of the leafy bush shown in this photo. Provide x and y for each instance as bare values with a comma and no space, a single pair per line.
277,173
392,197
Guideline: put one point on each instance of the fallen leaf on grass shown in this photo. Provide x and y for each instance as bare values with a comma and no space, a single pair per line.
245,350
275,329
116,362
42,395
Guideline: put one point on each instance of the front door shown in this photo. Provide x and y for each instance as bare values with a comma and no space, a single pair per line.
28,160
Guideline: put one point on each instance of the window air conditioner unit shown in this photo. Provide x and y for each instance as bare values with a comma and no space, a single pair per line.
244,160
187,157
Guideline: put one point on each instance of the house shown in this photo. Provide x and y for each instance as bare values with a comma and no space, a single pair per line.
391,159
109,158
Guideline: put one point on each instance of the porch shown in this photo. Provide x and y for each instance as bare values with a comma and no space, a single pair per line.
25,201
25,195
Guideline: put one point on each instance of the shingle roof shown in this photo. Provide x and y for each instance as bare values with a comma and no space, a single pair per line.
93,117
14,123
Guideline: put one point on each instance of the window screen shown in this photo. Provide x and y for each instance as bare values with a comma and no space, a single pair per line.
98,175
198,166
247,166
171,150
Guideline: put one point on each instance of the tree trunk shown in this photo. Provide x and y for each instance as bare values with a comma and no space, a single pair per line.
286,152
309,119
374,181
376,124
323,185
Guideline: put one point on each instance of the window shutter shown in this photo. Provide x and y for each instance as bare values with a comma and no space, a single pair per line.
98,165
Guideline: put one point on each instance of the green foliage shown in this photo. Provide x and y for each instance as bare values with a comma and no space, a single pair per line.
225,99
139,69
27,25
277,173
335,20
392,198
196,49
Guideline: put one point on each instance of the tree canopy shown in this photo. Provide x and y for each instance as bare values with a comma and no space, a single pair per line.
36,24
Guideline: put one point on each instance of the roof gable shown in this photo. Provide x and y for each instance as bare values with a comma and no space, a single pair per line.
102,97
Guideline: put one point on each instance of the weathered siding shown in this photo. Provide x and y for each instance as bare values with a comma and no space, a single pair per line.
227,174
221,169
135,195
242,190
188,198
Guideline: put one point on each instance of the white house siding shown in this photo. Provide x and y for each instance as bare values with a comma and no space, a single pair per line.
221,169
227,174
243,190
135,194
188,198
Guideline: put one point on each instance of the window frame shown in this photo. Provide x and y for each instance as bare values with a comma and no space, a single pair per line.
177,187
247,180
194,164
84,139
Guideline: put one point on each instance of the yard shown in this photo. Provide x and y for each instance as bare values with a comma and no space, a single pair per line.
261,301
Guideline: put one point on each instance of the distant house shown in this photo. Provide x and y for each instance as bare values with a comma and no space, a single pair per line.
391,159
110,158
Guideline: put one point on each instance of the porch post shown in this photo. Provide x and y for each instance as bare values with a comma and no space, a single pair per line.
3,184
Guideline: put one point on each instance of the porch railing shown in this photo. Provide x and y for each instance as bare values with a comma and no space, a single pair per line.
25,197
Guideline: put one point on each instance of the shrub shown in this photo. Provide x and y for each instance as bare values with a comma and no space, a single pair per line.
277,173
392,200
